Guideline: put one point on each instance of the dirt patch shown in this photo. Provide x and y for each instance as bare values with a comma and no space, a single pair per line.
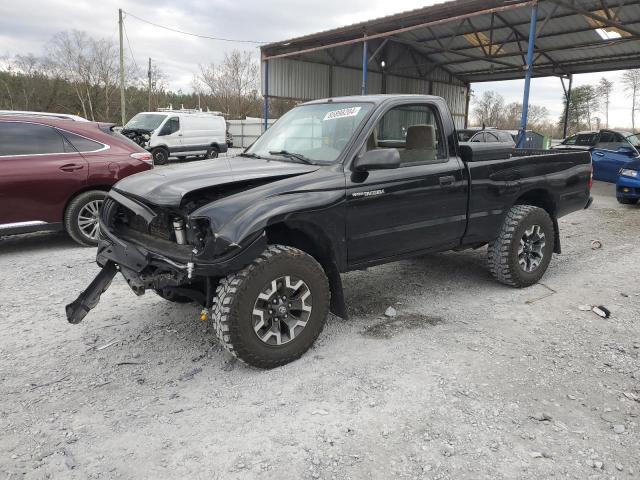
393,326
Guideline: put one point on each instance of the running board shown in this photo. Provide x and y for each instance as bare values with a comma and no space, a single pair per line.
88,299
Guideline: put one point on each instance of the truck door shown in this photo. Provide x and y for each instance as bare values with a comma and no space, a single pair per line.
417,207
171,134
609,155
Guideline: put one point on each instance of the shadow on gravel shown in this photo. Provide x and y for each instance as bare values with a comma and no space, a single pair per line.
372,291
392,327
32,242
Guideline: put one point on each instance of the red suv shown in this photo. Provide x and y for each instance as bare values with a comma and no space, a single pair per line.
55,173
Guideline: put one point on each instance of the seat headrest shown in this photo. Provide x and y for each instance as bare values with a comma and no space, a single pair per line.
420,137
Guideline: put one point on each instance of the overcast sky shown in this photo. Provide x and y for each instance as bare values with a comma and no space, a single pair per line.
27,25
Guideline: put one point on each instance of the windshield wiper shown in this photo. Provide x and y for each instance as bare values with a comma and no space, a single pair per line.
297,156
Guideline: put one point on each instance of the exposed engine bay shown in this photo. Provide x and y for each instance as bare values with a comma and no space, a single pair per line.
139,135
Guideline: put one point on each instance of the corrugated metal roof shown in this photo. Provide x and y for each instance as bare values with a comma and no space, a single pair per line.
485,40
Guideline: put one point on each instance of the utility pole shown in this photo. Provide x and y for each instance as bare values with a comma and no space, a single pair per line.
122,100
149,75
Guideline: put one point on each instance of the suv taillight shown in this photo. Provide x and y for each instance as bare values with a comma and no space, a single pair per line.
143,157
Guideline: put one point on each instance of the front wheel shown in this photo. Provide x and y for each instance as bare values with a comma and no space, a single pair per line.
160,156
270,312
521,253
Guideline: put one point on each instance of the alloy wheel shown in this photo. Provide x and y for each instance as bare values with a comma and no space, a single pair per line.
531,249
88,219
282,310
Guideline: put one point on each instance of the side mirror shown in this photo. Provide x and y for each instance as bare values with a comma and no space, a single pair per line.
380,159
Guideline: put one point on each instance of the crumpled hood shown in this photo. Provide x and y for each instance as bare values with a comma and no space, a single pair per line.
167,186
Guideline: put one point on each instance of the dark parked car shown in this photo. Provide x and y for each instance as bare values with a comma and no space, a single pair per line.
493,136
610,151
335,185
55,173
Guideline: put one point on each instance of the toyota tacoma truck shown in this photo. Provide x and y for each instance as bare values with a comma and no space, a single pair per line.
260,240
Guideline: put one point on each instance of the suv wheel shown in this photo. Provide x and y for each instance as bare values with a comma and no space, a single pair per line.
270,313
521,253
160,156
212,152
81,217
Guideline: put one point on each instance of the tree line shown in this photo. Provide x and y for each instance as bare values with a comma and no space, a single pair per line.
79,74
588,108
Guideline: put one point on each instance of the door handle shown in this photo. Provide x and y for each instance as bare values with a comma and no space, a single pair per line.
71,167
600,154
447,181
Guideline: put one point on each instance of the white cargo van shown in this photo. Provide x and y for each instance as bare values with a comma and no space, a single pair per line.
178,134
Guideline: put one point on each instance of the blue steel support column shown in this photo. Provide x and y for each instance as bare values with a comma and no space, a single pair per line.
527,82
365,61
266,95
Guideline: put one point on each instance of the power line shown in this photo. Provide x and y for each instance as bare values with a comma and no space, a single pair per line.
129,43
220,39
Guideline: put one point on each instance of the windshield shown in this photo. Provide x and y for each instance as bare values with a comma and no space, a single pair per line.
145,121
317,132
632,139
582,140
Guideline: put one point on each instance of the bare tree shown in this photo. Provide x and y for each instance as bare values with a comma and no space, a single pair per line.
510,116
234,82
91,66
489,109
631,82
604,91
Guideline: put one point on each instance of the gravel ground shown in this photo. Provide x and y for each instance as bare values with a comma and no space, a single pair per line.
472,380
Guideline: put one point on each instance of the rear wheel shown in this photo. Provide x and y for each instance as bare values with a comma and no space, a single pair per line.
628,201
270,313
213,152
160,156
82,215
521,253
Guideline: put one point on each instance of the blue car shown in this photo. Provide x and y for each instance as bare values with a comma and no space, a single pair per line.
628,185
610,151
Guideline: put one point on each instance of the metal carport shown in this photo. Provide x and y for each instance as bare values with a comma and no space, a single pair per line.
444,48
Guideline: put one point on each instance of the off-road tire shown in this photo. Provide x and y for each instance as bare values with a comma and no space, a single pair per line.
73,211
169,296
213,152
502,254
236,295
160,156
627,201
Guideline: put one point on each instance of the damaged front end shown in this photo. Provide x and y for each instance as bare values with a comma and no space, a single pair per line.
163,249
141,136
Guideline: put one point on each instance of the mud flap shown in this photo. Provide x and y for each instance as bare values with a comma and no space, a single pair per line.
88,299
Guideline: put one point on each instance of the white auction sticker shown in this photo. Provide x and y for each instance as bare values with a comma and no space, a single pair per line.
342,113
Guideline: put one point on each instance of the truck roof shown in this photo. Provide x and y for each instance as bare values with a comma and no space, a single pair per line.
376,99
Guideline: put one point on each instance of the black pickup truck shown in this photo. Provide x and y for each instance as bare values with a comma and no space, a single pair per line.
260,240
